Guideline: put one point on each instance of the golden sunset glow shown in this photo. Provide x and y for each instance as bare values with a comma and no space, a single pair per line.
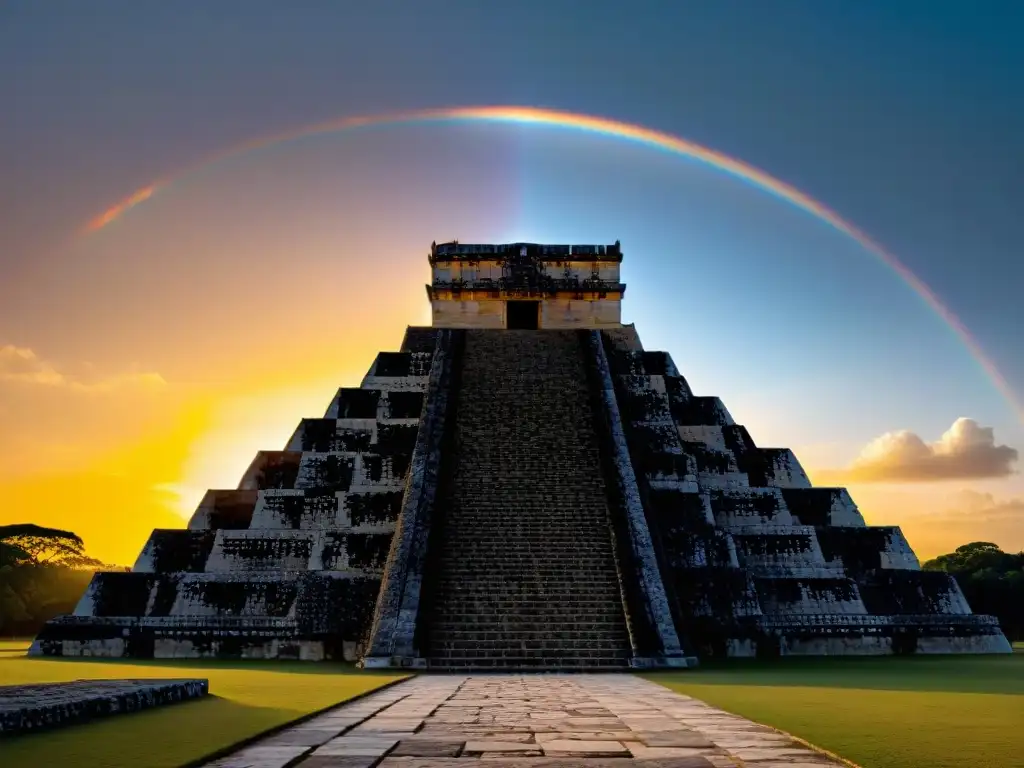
120,455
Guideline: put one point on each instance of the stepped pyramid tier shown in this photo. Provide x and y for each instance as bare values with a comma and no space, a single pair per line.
523,486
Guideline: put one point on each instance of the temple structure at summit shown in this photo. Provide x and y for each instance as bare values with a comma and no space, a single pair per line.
523,486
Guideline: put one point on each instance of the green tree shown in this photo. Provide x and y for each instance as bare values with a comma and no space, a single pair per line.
44,546
991,580
43,573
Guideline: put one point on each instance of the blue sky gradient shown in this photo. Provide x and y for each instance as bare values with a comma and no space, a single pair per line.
905,117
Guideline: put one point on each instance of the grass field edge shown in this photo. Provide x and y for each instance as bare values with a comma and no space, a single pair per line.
810,745
217,754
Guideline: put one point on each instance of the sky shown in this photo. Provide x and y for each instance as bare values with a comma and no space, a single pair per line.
149,360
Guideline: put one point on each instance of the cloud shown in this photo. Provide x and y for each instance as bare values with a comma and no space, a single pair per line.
22,365
966,451
984,507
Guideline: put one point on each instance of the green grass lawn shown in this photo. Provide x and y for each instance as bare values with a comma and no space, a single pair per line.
245,699
911,712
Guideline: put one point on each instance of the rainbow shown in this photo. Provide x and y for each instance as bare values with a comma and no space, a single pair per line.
615,129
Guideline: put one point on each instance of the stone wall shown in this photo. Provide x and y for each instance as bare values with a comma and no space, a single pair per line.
31,708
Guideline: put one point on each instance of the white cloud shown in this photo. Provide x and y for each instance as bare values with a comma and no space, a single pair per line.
965,451
21,365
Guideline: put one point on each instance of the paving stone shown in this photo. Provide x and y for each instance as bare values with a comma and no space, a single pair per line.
371,746
576,747
325,723
306,737
331,761
530,722
261,757
589,736
691,739
642,750
427,748
505,747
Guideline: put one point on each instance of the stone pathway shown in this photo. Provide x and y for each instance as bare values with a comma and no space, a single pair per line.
527,721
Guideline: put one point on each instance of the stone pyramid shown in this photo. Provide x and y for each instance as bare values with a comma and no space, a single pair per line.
523,486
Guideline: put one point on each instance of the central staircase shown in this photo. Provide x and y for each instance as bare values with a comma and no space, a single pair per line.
523,566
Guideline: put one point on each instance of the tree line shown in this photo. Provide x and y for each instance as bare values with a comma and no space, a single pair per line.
991,580
43,573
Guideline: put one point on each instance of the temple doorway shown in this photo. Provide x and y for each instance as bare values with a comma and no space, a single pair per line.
523,315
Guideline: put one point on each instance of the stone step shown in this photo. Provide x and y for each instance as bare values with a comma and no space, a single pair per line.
529,563
602,595
527,653
506,615
526,664
595,590
510,533
527,572
519,580
470,645
556,568
464,642
530,604
525,576
510,540
470,622
556,561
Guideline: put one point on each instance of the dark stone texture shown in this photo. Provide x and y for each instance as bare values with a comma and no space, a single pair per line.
420,339
331,472
231,510
405,405
332,606
175,551
314,505
232,598
402,364
354,403
909,592
121,594
393,631
812,506
277,469
374,508
524,567
859,549
27,708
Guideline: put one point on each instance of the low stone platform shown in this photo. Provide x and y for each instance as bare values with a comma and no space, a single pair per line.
527,721
26,708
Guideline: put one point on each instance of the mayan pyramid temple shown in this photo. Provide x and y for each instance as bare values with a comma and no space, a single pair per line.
522,486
